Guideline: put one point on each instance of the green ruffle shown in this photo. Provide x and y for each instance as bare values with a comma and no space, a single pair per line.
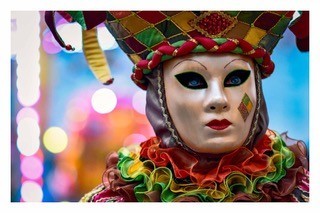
150,178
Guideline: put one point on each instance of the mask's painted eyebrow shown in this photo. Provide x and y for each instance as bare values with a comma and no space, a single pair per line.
189,59
235,60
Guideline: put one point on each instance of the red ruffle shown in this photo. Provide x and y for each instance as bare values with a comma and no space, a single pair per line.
203,172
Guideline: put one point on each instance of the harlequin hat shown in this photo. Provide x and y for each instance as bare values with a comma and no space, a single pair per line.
151,37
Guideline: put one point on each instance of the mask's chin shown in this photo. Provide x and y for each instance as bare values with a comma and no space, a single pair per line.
215,145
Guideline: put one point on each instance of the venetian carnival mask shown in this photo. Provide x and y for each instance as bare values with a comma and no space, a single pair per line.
211,99
183,110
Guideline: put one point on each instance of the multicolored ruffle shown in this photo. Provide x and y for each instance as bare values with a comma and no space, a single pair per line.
172,174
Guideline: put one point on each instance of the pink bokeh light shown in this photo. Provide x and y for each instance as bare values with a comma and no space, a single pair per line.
134,139
49,44
62,180
27,112
31,167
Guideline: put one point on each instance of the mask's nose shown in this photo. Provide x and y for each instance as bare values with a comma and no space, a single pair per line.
216,99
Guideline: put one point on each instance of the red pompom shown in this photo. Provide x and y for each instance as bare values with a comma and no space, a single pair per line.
69,47
110,81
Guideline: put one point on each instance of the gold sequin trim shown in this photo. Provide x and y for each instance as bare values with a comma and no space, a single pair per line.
256,115
193,40
305,198
149,65
250,52
175,52
164,114
158,52
236,41
215,48
264,66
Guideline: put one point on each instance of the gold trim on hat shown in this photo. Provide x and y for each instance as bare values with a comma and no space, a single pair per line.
214,48
250,52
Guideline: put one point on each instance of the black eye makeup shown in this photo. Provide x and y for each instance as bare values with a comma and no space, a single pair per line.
236,78
192,80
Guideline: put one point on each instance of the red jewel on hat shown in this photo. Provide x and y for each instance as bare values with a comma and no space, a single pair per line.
214,23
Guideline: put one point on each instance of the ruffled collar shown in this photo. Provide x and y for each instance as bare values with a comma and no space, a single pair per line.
172,174
204,172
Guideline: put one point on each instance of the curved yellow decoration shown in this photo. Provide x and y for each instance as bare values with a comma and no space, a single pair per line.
95,56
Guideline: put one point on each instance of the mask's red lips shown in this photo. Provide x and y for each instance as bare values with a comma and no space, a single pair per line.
219,125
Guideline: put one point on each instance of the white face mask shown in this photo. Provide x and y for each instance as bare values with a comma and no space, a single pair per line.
211,99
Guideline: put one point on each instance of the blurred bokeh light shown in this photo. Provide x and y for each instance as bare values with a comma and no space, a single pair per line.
104,101
55,139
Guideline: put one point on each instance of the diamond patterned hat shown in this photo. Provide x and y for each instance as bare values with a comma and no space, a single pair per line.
138,33
151,37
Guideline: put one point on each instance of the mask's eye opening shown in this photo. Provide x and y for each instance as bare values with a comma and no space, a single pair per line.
192,80
236,78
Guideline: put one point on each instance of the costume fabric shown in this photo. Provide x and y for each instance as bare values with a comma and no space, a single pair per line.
271,171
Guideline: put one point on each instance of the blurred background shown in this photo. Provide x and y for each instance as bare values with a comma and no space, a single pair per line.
64,122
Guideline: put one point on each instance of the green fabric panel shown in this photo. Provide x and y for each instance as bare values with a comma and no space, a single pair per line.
110,17
259,60
281,26
232,13
220,40
150,55
166,57
238,50
248,16
178,43
199,49
146,71
150,37
268,42
168,29
78,17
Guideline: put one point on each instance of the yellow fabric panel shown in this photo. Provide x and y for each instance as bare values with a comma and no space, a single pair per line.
95,55
182,19
135,58
134,24
255,35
